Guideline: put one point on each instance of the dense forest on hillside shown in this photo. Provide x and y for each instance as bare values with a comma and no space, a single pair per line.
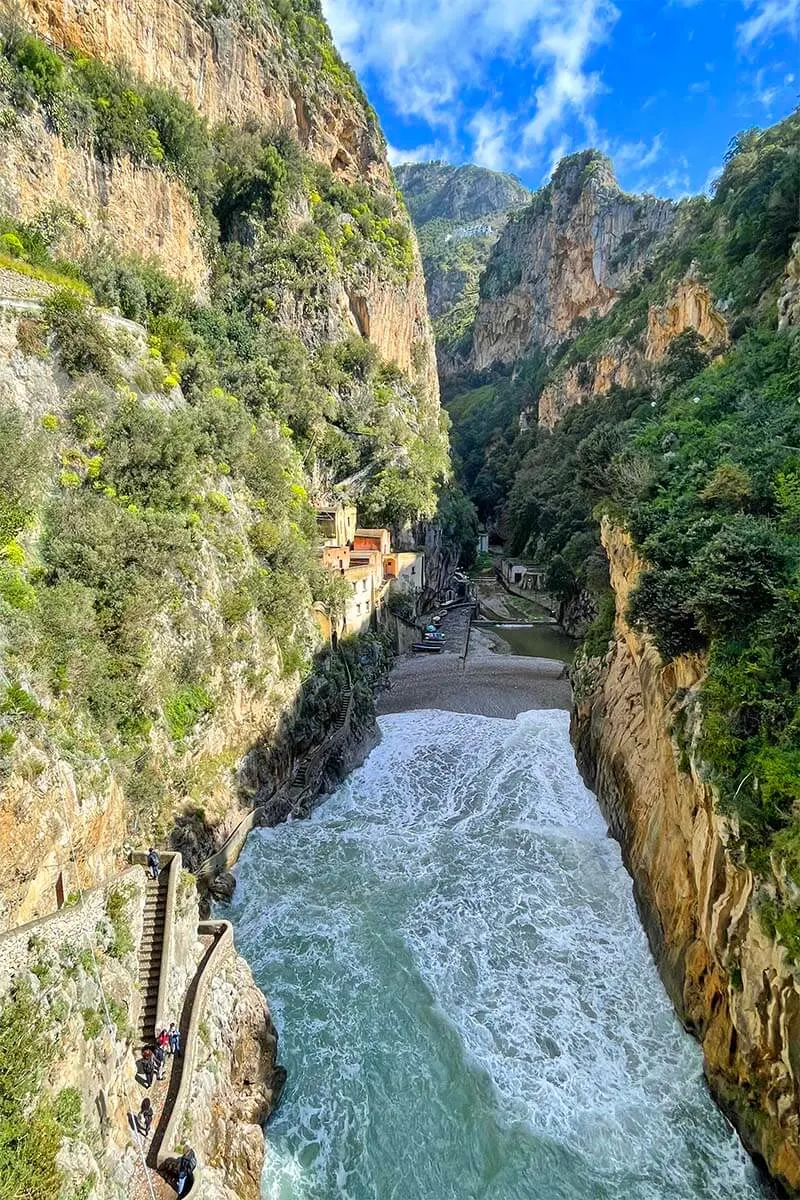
702,465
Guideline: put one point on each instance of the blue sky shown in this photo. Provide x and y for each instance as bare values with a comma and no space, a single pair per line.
660,85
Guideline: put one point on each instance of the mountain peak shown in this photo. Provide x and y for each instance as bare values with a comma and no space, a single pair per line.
457,193
574,172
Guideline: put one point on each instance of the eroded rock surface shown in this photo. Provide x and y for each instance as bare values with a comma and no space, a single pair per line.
731,983
564,257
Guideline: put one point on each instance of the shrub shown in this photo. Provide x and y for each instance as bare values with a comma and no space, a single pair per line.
12,245
83,345
662,604
601,630
92,1023
738,572
31,1129
185,708
116,911
31,340
41,68
18,702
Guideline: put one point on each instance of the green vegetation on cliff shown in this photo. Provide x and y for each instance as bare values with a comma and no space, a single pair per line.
158,546
702,465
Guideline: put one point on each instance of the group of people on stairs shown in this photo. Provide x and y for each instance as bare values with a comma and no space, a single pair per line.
153,1065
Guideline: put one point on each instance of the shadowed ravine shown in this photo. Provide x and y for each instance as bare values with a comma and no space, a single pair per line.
464,993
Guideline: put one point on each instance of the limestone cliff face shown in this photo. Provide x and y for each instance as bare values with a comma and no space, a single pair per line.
630,364
75,969
619,364
228,70
231,71
138,210
394,316
236,1084
731,983
565,257
690,307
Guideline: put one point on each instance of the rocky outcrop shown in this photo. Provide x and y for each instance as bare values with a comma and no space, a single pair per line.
576,614
635,727
619,364
564,258
79,979
690,307
394,316
236,1083
82,966
138,210
789,299
230,71
630,364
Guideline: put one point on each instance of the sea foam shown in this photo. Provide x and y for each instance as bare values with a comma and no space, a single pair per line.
465,996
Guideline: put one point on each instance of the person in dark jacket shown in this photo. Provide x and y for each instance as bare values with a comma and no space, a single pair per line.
174,1039
159,1059
148,1066
186,1169
144,1118
153,862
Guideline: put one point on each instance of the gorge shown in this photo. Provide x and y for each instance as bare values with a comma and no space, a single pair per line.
229,498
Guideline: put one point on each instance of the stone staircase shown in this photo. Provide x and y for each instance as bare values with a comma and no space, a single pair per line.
341,716
155,911
308,765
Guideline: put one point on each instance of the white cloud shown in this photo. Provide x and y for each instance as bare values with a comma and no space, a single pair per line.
426,55
768,18
673,182
711,179
415,154
490,129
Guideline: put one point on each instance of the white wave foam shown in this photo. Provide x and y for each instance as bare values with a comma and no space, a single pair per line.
463,987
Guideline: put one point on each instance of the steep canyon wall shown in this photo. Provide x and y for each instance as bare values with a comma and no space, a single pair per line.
635,724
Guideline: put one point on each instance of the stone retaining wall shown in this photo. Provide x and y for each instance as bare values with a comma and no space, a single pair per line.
170,1148
75,924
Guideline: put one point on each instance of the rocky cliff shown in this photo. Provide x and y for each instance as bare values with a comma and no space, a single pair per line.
267,65
631,361
563,259
235,1086
232,62
138,210
459,213
635,727
279,344
73,982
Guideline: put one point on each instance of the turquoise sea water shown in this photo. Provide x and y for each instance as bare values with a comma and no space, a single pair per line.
465,998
